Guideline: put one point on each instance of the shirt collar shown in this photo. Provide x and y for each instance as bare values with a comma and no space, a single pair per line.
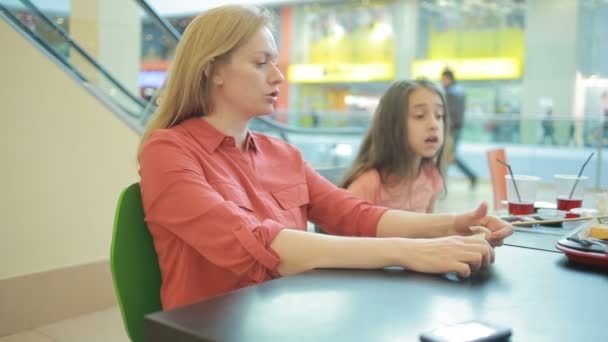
210,138
250,142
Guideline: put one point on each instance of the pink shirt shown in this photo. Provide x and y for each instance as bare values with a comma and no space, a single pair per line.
213,210
416,196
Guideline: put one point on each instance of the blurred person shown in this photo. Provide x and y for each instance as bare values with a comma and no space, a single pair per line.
315,119
456,101
400,162
548,129
604,104
604,111
228,208
571,134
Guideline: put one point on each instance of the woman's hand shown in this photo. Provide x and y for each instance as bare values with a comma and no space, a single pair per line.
479,217
446,254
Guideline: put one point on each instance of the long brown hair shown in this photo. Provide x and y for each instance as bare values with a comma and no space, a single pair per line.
211,36
385,146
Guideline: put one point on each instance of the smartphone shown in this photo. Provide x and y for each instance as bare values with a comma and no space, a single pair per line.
470,331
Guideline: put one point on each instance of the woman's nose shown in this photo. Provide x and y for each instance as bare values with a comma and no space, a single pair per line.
277,75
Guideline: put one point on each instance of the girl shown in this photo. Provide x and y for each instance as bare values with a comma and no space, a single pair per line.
228,208
400,163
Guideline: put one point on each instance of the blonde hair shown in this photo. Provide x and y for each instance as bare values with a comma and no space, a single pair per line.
385,146
211,36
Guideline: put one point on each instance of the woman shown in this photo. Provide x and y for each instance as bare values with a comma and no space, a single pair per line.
228,208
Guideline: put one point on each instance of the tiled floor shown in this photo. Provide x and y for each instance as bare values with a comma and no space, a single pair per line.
106,325
100,326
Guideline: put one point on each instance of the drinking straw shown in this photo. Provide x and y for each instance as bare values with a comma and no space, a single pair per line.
580,173
512,178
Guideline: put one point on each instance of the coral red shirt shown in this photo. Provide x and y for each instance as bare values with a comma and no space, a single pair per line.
213,210
411,196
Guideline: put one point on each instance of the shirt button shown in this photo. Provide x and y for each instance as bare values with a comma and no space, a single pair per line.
229,141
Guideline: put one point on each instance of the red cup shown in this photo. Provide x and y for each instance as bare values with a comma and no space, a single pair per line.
572,215
526,208
565,203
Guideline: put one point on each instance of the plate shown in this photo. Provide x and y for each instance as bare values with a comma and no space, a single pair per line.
545,205
594,254
550,214
589,258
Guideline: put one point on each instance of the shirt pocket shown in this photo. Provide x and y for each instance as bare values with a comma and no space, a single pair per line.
235,194
293,196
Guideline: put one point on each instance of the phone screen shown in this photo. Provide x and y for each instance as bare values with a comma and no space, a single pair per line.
466,332
463,332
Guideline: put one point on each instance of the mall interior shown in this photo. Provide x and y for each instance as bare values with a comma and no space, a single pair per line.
83,75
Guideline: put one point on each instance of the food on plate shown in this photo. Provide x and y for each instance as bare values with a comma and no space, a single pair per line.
599,231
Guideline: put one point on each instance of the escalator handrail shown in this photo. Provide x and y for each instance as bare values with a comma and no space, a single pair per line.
66,36
8,17
39,40
165,25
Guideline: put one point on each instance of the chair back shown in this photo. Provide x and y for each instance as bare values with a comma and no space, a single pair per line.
497,176
134,264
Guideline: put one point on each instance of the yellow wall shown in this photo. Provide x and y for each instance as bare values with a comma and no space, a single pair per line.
508,42
65,158
356,48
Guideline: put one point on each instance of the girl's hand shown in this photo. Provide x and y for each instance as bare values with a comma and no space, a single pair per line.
500,229
446,254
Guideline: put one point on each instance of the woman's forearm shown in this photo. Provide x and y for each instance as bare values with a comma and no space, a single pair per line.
399,223
301,251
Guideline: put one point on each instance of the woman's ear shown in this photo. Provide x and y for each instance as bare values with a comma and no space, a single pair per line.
212,70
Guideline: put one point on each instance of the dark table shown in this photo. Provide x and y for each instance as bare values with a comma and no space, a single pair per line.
540,295
535,240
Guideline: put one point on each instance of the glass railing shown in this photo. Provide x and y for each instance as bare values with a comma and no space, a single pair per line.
543,131
534,145
320,147
486,128
539,146
334,119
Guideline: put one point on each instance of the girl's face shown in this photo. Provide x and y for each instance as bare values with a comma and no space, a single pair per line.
425,114
248,84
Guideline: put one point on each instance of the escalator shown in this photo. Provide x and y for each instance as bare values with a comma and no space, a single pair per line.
34,24
59,32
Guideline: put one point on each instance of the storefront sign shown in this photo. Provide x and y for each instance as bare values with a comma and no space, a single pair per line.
469,69
330,73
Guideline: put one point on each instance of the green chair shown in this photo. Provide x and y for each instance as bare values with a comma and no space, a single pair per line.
134,263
